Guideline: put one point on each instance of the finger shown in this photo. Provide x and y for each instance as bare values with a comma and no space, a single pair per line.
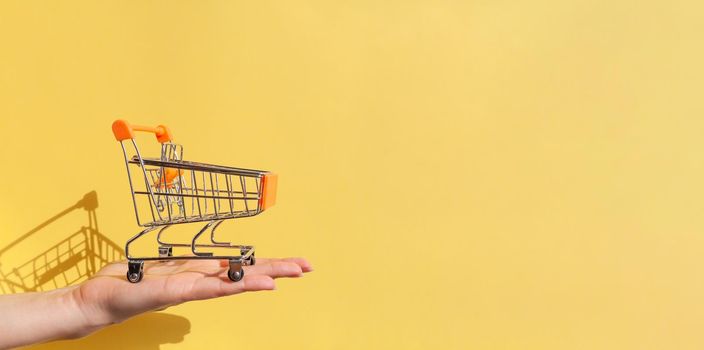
302,262
305,265
214,287
275,269
251,283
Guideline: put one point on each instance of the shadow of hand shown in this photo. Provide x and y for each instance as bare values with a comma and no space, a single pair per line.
145,332
109,298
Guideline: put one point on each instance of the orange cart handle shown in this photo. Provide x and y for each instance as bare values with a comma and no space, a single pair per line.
123,131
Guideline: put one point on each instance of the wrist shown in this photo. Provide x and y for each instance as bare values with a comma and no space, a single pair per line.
89,316
37,317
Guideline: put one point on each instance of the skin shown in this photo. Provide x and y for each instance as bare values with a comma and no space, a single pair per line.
108,298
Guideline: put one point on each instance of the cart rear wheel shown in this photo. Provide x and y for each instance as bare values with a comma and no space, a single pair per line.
235,275
135,277
135,271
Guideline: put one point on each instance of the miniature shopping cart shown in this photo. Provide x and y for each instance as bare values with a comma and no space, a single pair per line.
169,190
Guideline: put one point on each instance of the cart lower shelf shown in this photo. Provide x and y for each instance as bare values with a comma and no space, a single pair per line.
135,265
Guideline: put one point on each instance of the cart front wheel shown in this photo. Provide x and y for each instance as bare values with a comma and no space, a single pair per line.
251,260
235,275
166,251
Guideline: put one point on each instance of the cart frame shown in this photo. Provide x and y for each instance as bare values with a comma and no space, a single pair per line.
164,183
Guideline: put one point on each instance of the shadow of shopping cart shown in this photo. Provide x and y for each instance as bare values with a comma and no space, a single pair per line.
71,260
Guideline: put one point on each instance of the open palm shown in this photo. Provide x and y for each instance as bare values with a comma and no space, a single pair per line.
108,297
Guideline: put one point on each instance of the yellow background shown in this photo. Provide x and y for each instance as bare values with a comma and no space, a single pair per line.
478,174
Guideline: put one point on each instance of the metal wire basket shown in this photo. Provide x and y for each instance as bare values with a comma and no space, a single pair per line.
169,190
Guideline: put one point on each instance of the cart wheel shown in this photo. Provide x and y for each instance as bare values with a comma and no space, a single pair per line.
251,260
166,251
235,275
135,271
135,277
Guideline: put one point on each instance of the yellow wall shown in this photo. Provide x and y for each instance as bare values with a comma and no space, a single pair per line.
480,174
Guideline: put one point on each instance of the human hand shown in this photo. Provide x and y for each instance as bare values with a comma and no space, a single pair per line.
108,297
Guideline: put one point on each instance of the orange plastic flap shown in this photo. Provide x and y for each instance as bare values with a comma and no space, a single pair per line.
268,198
